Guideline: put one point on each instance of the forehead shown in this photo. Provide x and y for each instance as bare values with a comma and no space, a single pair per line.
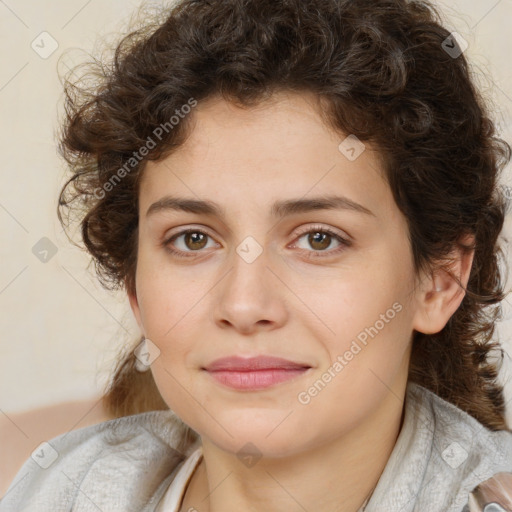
279,149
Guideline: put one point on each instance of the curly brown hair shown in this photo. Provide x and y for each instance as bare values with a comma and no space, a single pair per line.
383,72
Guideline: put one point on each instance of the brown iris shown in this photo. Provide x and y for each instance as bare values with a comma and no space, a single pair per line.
317,240
197,240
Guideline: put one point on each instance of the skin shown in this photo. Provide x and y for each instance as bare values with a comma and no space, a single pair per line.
327,454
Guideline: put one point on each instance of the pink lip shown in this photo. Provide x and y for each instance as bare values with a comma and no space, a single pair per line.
236,363
254,373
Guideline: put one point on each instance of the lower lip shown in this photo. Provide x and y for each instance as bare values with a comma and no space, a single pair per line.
257,379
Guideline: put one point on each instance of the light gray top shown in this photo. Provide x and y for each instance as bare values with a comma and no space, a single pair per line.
127,464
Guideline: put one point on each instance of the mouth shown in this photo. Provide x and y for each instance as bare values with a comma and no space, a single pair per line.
251,374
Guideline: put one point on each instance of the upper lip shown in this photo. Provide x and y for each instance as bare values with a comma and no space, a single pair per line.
236,363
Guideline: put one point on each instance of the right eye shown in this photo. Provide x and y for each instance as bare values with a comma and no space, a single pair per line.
192,241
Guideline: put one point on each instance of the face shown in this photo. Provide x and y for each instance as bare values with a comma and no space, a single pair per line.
328,287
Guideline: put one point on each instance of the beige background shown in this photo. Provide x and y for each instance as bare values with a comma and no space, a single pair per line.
60,330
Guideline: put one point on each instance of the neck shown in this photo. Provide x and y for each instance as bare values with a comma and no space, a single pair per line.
338,476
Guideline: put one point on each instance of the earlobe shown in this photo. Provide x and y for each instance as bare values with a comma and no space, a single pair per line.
440,295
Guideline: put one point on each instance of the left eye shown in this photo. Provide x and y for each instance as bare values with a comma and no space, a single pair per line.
321,238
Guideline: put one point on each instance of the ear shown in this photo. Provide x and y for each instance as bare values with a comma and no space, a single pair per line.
439,295
134,305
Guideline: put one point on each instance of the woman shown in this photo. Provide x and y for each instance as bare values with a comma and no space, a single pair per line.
301,200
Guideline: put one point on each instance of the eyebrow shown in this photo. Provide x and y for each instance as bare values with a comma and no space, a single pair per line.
279,208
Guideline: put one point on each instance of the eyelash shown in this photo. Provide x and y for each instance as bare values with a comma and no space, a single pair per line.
344,243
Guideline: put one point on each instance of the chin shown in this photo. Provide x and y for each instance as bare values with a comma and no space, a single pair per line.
268,437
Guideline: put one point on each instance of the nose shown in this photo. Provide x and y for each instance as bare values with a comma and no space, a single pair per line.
251,297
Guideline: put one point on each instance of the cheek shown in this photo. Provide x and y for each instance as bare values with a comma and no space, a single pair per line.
365,314
352,299
171,310
165,300
173,386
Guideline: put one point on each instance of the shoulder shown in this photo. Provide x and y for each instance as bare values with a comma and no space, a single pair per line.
21,432
451,423
463,451
104,466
